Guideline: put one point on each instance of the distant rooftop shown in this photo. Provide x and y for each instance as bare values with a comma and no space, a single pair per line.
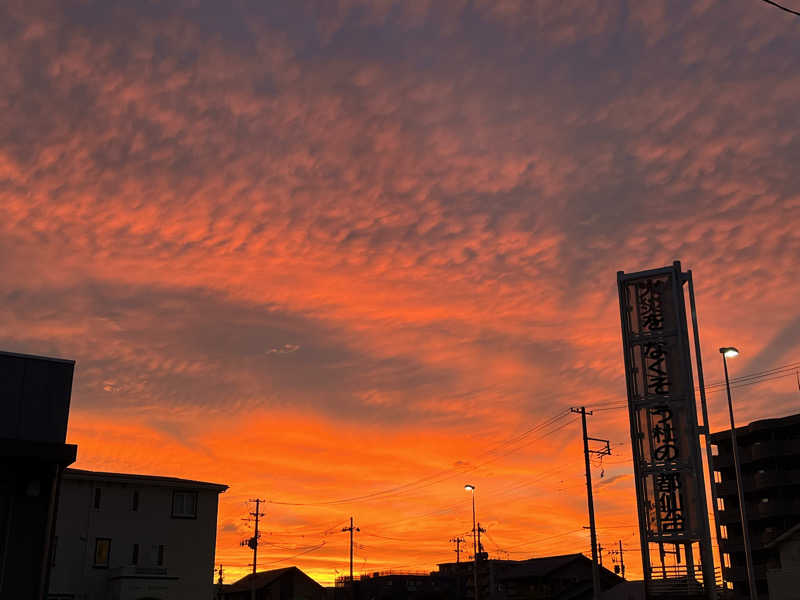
263,578
155,480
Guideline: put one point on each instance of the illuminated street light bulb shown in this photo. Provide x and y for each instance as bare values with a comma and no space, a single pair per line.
469,487
729,352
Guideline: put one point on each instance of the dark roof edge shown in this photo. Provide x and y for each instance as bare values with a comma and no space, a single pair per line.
84,475
37,357
758,425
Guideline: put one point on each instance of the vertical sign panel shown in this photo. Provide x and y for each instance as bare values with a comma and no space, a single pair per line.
663,419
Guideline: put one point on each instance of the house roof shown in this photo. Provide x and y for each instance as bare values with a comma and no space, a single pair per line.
262,579
538,567
154,480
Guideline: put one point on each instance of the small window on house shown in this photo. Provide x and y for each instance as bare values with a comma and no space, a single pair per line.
135,555
135,500
184,505
102,552
720,504
726,560
714,450
764,500
160,560
723,531
97,496
718,476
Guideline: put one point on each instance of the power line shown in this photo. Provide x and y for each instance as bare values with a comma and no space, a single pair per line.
789,10
781,372
443,475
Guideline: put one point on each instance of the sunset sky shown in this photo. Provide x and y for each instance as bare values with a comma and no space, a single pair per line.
347,256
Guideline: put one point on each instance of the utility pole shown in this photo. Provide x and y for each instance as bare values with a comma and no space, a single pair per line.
351,529
480,546
457,541
621,560
253,543
593,530
600,553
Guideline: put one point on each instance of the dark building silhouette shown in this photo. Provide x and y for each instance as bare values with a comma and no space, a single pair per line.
769,452
562,577
279,584
545,578
34,407
398,585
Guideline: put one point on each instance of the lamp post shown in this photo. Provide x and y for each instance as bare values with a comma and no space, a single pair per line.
471,488
730,352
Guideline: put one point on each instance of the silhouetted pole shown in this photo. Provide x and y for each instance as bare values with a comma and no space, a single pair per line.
257,514
748,557
351,529
621,560
706,551
595,570
458,541
471,488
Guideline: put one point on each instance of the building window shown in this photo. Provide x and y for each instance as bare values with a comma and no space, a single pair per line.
184,505
97,496
102,552
717,476
723,531
160,560
720,504
726,560
714,450
135,500
135,555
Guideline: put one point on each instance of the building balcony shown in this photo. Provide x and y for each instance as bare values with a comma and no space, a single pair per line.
137,571
759,480
779,478
141,582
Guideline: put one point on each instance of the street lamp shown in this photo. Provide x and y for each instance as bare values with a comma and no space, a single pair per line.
471,488
730,352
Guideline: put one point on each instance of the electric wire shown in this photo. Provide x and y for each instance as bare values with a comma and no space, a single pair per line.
435,478
789,10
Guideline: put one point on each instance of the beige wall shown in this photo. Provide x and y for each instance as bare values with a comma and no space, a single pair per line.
189,543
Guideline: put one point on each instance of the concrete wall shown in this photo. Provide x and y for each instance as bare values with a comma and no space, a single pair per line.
784,583
188,543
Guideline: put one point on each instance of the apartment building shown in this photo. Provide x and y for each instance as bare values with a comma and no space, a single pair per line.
134,537
769,450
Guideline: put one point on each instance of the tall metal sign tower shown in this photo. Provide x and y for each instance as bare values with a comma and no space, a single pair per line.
677,557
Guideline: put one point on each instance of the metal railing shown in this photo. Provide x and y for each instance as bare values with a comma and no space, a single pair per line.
679,580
